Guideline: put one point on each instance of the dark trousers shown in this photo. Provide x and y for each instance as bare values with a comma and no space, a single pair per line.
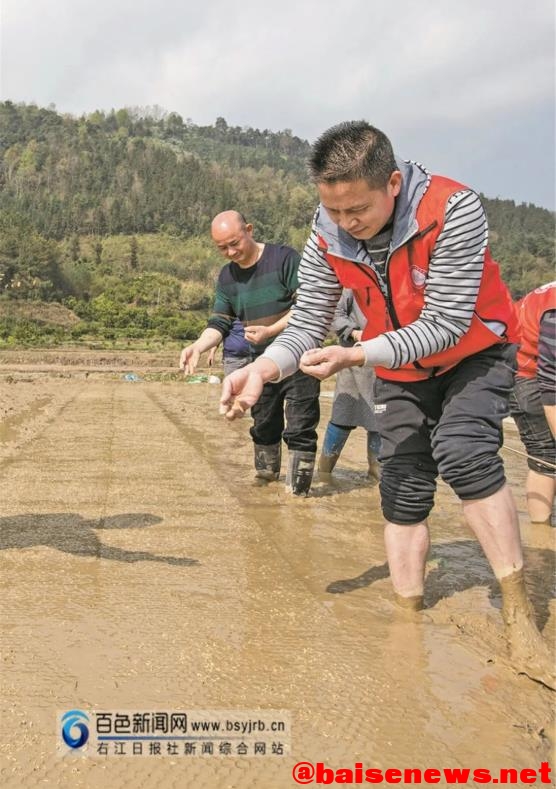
298,396
450,425
528,412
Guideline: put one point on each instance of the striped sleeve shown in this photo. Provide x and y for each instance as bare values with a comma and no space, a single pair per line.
222,315
454,278
317,296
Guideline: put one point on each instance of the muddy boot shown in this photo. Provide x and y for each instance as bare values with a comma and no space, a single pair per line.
327,463
268,459
300,472
334,440
373,446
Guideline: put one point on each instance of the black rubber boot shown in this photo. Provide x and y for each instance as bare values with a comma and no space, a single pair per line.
268,459
300,472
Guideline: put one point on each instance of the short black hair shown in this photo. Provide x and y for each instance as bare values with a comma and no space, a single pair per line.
352,150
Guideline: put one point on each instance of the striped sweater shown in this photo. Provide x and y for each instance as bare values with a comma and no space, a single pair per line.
454,277
258,295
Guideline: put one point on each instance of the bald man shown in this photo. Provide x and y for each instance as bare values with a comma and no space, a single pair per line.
258,286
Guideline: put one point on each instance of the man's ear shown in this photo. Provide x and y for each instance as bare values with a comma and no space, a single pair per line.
395,183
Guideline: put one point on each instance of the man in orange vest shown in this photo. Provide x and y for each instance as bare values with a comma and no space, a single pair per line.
533,402
441,334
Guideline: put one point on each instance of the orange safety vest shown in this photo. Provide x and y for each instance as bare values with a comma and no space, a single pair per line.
531,309
406,276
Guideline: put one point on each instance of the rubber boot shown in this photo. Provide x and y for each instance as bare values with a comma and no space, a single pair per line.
300,472
373,448
268,458
334,440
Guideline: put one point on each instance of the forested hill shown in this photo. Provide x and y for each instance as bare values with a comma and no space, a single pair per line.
91,205
120,172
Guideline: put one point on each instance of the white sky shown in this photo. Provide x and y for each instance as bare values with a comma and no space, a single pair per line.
465,86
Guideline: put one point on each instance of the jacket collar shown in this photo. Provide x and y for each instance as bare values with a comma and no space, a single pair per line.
415,182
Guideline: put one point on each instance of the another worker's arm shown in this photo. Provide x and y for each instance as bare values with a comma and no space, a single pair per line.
189,358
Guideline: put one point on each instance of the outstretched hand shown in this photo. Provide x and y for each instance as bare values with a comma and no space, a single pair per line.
321,363
189,359
211,356
240,390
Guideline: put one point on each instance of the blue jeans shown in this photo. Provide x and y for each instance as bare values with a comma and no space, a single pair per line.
298,397
336,436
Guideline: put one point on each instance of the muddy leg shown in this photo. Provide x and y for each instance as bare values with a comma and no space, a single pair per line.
406,549
414,603
495,524
529,652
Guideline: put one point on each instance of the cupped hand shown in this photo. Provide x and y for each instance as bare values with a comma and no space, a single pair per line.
321,363
257,335
240,391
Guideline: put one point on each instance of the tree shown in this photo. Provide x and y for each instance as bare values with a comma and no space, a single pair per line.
133,253
221,125
74,248
97,247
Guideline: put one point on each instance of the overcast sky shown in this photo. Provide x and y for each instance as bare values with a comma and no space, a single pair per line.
464,86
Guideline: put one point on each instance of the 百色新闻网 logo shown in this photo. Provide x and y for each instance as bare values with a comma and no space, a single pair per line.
72,721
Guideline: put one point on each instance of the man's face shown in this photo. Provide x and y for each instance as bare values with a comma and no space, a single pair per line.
235,242
359,209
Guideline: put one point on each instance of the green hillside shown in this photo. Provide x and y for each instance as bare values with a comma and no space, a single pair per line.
108,216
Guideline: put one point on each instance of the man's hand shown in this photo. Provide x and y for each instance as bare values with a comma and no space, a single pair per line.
211,355
257,335
321,363
356,335
189,359
240,390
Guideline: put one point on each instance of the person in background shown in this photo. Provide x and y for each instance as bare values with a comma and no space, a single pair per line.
353,396
533,401
236,351
258,286
441,334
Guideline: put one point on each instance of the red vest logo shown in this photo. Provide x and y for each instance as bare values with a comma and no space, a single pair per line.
418,276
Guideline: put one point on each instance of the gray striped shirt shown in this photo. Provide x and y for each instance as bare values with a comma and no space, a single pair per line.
450,294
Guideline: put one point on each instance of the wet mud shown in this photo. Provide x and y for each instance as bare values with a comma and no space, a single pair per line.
142,568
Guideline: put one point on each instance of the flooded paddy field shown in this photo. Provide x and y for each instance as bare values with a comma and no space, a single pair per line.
141,569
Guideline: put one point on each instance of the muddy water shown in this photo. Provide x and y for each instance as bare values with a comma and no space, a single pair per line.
142,569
